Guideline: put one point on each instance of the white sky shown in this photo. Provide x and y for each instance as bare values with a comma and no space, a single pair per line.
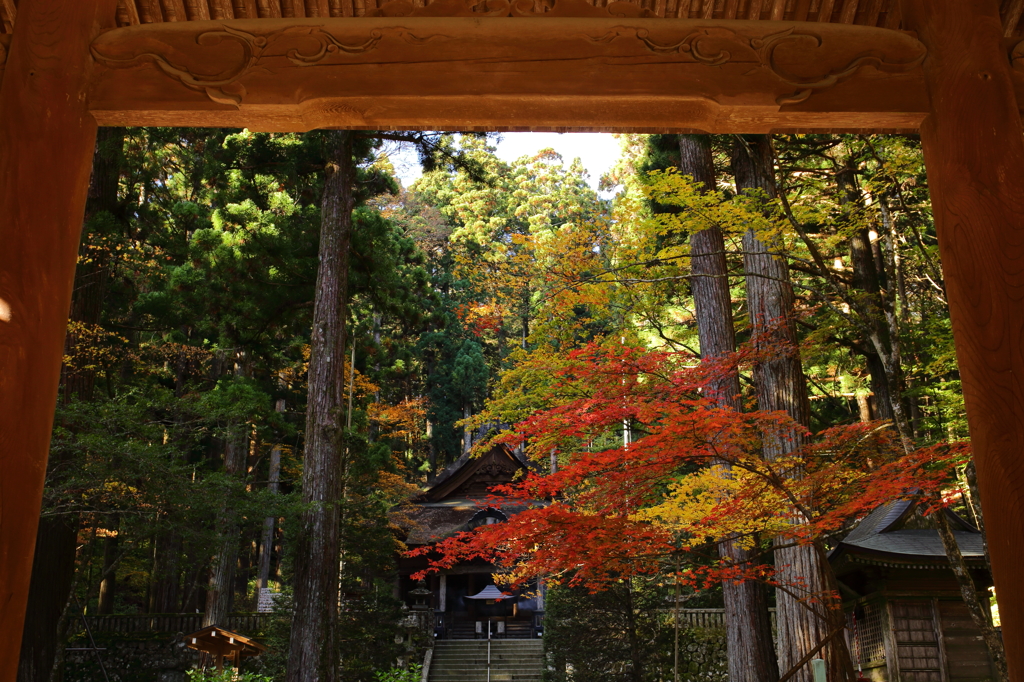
597,151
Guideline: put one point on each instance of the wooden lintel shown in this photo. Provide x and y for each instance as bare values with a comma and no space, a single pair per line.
510,73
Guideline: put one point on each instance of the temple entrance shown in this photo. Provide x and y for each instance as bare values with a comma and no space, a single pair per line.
468,613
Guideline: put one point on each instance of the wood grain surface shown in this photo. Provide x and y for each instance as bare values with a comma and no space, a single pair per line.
46,147
457,73
974,150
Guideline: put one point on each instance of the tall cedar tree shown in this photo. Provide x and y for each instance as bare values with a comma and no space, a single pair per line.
781,386
748,626
312,656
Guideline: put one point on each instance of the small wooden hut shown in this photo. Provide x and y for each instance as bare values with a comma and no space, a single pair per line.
908,622
220,644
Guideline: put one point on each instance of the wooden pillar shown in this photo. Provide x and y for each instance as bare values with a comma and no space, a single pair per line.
46,147
975,155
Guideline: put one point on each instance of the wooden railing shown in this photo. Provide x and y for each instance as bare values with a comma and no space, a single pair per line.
702,618
242,623
697,618
254,623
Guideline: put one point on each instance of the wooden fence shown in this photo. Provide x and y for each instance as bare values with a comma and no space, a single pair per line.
702,618
242,623
253,623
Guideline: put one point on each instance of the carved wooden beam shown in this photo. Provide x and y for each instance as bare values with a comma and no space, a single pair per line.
509,73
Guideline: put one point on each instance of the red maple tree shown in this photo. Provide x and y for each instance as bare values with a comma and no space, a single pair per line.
695,473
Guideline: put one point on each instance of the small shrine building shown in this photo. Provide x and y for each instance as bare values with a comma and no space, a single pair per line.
908,620
464,599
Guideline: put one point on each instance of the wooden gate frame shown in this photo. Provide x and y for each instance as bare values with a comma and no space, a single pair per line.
951,72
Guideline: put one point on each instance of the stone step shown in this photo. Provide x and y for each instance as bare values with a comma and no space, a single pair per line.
495,661
481,676
525,645
511,643
530,670
466,661
494,678
495,655
473,660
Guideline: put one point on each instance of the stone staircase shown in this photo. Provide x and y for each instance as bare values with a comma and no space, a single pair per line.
512,660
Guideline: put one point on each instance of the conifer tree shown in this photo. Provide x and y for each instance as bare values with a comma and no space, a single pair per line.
807,621
748,626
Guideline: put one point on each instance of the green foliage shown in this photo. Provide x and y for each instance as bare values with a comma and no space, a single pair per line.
210,262
606,636
467,293
411,674
228,674
367,631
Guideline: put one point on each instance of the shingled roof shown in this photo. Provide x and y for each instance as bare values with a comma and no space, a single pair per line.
461,492
457,466
434,521
882,537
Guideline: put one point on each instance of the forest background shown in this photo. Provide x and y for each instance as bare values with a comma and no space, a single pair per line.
175,474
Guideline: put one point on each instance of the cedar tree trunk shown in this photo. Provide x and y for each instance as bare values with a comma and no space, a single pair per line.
267,540
164,592
313,649
781,386
222,574
751,651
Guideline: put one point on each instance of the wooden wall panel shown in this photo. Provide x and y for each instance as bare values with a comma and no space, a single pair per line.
880,13
966,654
174,10
917,641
